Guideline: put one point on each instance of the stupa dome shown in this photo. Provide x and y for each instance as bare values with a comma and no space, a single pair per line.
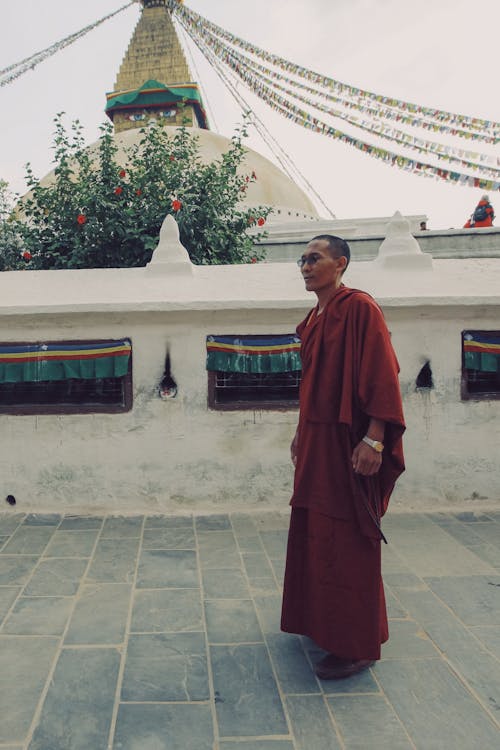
153,79
271,188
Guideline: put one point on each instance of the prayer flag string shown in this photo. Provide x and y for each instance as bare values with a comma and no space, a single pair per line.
379,114
29,63
251,75
475,124
255,78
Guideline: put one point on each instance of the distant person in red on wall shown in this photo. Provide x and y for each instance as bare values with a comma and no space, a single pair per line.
483,214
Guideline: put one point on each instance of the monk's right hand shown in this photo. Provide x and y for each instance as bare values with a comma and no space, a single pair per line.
294,448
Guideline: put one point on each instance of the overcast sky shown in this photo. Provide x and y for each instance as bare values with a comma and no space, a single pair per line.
442,53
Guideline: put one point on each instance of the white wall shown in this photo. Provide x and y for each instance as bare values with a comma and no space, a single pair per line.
166,455
177,454
451,446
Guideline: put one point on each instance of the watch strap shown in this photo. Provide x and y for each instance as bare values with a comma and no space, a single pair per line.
375,444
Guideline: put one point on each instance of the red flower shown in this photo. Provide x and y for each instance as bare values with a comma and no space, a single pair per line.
122,173
172,157
118,190
254,176
261,221
27,255
138,191
176,205
81,219
253,260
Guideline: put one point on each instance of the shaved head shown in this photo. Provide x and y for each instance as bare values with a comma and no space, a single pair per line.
337,247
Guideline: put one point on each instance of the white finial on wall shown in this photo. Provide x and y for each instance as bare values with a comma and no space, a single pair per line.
400,250
170,256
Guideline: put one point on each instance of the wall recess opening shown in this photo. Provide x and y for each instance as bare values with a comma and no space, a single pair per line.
480,365
66,377
253,371
424,377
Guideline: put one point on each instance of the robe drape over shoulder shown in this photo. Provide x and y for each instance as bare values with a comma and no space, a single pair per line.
349,374
333,588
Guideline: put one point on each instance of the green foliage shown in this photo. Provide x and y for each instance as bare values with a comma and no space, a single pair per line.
10,238
99,214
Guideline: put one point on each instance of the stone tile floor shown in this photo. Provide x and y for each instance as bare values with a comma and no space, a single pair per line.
162,633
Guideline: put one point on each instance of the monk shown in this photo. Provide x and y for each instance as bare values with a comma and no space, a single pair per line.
347,453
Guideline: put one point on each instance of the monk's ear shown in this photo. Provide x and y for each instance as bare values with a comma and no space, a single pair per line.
342,263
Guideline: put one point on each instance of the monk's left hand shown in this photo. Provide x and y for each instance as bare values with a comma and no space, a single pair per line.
365,460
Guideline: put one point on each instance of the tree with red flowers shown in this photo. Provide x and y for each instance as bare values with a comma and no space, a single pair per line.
99,213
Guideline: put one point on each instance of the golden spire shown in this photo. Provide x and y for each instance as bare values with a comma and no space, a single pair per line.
154,77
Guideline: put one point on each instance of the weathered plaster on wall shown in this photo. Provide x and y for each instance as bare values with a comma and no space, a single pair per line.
177,455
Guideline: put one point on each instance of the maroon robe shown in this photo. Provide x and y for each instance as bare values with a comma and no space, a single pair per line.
333,589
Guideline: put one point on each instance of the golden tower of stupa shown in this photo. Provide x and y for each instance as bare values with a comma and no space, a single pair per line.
154,78
154,81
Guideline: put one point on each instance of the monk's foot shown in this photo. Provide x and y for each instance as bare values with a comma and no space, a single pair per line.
331,667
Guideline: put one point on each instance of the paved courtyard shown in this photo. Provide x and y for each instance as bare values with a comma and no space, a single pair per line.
162,633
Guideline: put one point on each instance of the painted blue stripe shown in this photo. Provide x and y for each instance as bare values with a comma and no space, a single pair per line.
481,338
254,340
60,347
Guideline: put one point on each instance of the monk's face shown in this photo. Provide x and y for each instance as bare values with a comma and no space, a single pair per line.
319,269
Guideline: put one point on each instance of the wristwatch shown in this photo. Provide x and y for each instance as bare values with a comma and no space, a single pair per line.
375,444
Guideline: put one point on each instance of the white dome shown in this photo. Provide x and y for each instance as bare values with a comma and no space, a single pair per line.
272,187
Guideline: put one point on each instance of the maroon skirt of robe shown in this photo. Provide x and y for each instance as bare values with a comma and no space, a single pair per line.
333,590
